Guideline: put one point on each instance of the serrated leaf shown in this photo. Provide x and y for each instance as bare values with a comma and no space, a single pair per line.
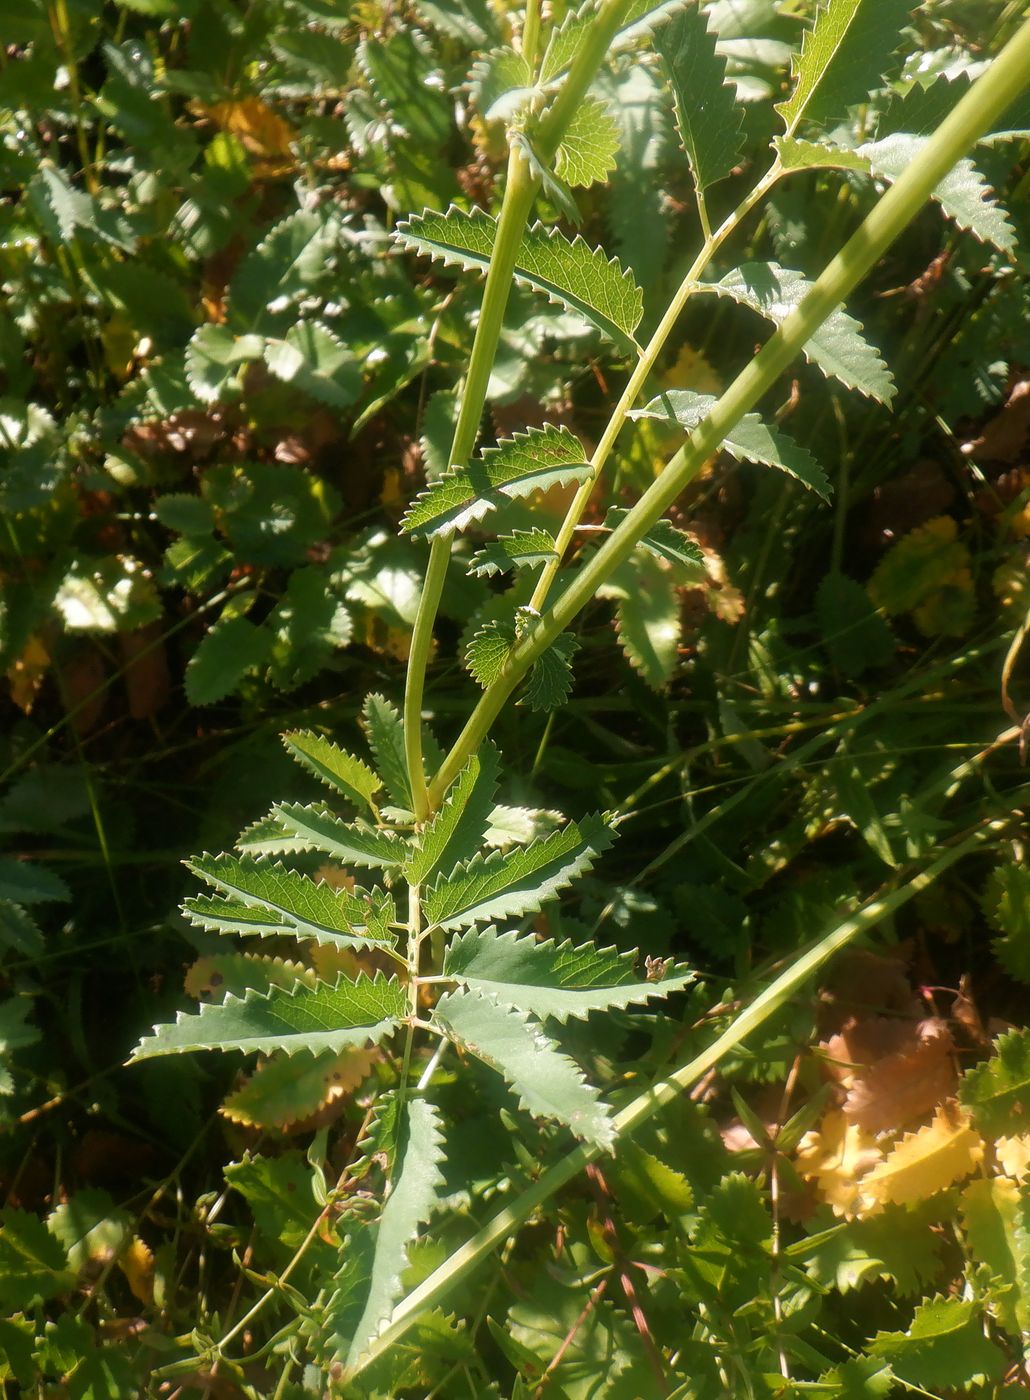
283,267
665,541
304,908
996,1224
997,1093
548,1083
333,765
501,84
549,681
518,881
384,731
213,359
1006,902
552,980
926,1161
838,347
287,1089
323,1017
316,361
587,151
570,273
531,461
231,650
843,58
414,1193
33,1264
213,977
456,831
944,1346
354,843
707,116
488,650
647,616
522,549
519,825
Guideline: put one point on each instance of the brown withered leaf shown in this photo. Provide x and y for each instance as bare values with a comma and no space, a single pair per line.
25,674
862,1042
147,677
865,982
907,1085
1007,434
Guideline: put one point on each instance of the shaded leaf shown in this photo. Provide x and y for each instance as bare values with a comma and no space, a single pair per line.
232,649
456,831
707,116
520,550
997,1092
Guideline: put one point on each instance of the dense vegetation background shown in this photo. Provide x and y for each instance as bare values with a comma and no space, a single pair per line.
221,382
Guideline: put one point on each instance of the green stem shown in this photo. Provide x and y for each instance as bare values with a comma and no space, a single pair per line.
637,379
1003,81
657,1096
519,193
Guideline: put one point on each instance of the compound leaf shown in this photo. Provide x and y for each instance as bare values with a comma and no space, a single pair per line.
355,843
843,58
530,461
292,903
838,347
323,1017
511,883
457,829
552,980
333,765
568,272
414,1192
707,116
750,439
548,1083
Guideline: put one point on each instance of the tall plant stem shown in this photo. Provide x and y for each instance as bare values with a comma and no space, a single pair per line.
519,193
645,364
1003,81
657,1096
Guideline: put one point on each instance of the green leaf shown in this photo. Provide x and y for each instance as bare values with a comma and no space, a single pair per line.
384,730
278,1192
665,541
843,58
414,1193
552,980
997,1092
707,116
1006,902
19,931
316,361
518,881
549,681
333,765
231,650
16,1031
647,616
115,594
522,549
213,359
356,843
401,73
548,1083
308,623
489,649
944,1346
570,273
282,269
749,440
33,1266
304,908
853,632
323,1017
996,1224
501,84
27,883
456,831
587,151
838,347
530,461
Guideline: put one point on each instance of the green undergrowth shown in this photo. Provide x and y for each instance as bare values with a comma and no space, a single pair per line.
662,1031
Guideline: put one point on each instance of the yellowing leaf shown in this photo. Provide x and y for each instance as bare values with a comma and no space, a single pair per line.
834,1157
926,1161
137,1264
1013,1155
25,675
928,575
291,1089
265,136
691,370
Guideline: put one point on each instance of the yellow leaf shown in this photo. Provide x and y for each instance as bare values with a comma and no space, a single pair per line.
926,1161
137,1264
927,574
288,1090
834,1156
264,135
692,370
1013,1155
